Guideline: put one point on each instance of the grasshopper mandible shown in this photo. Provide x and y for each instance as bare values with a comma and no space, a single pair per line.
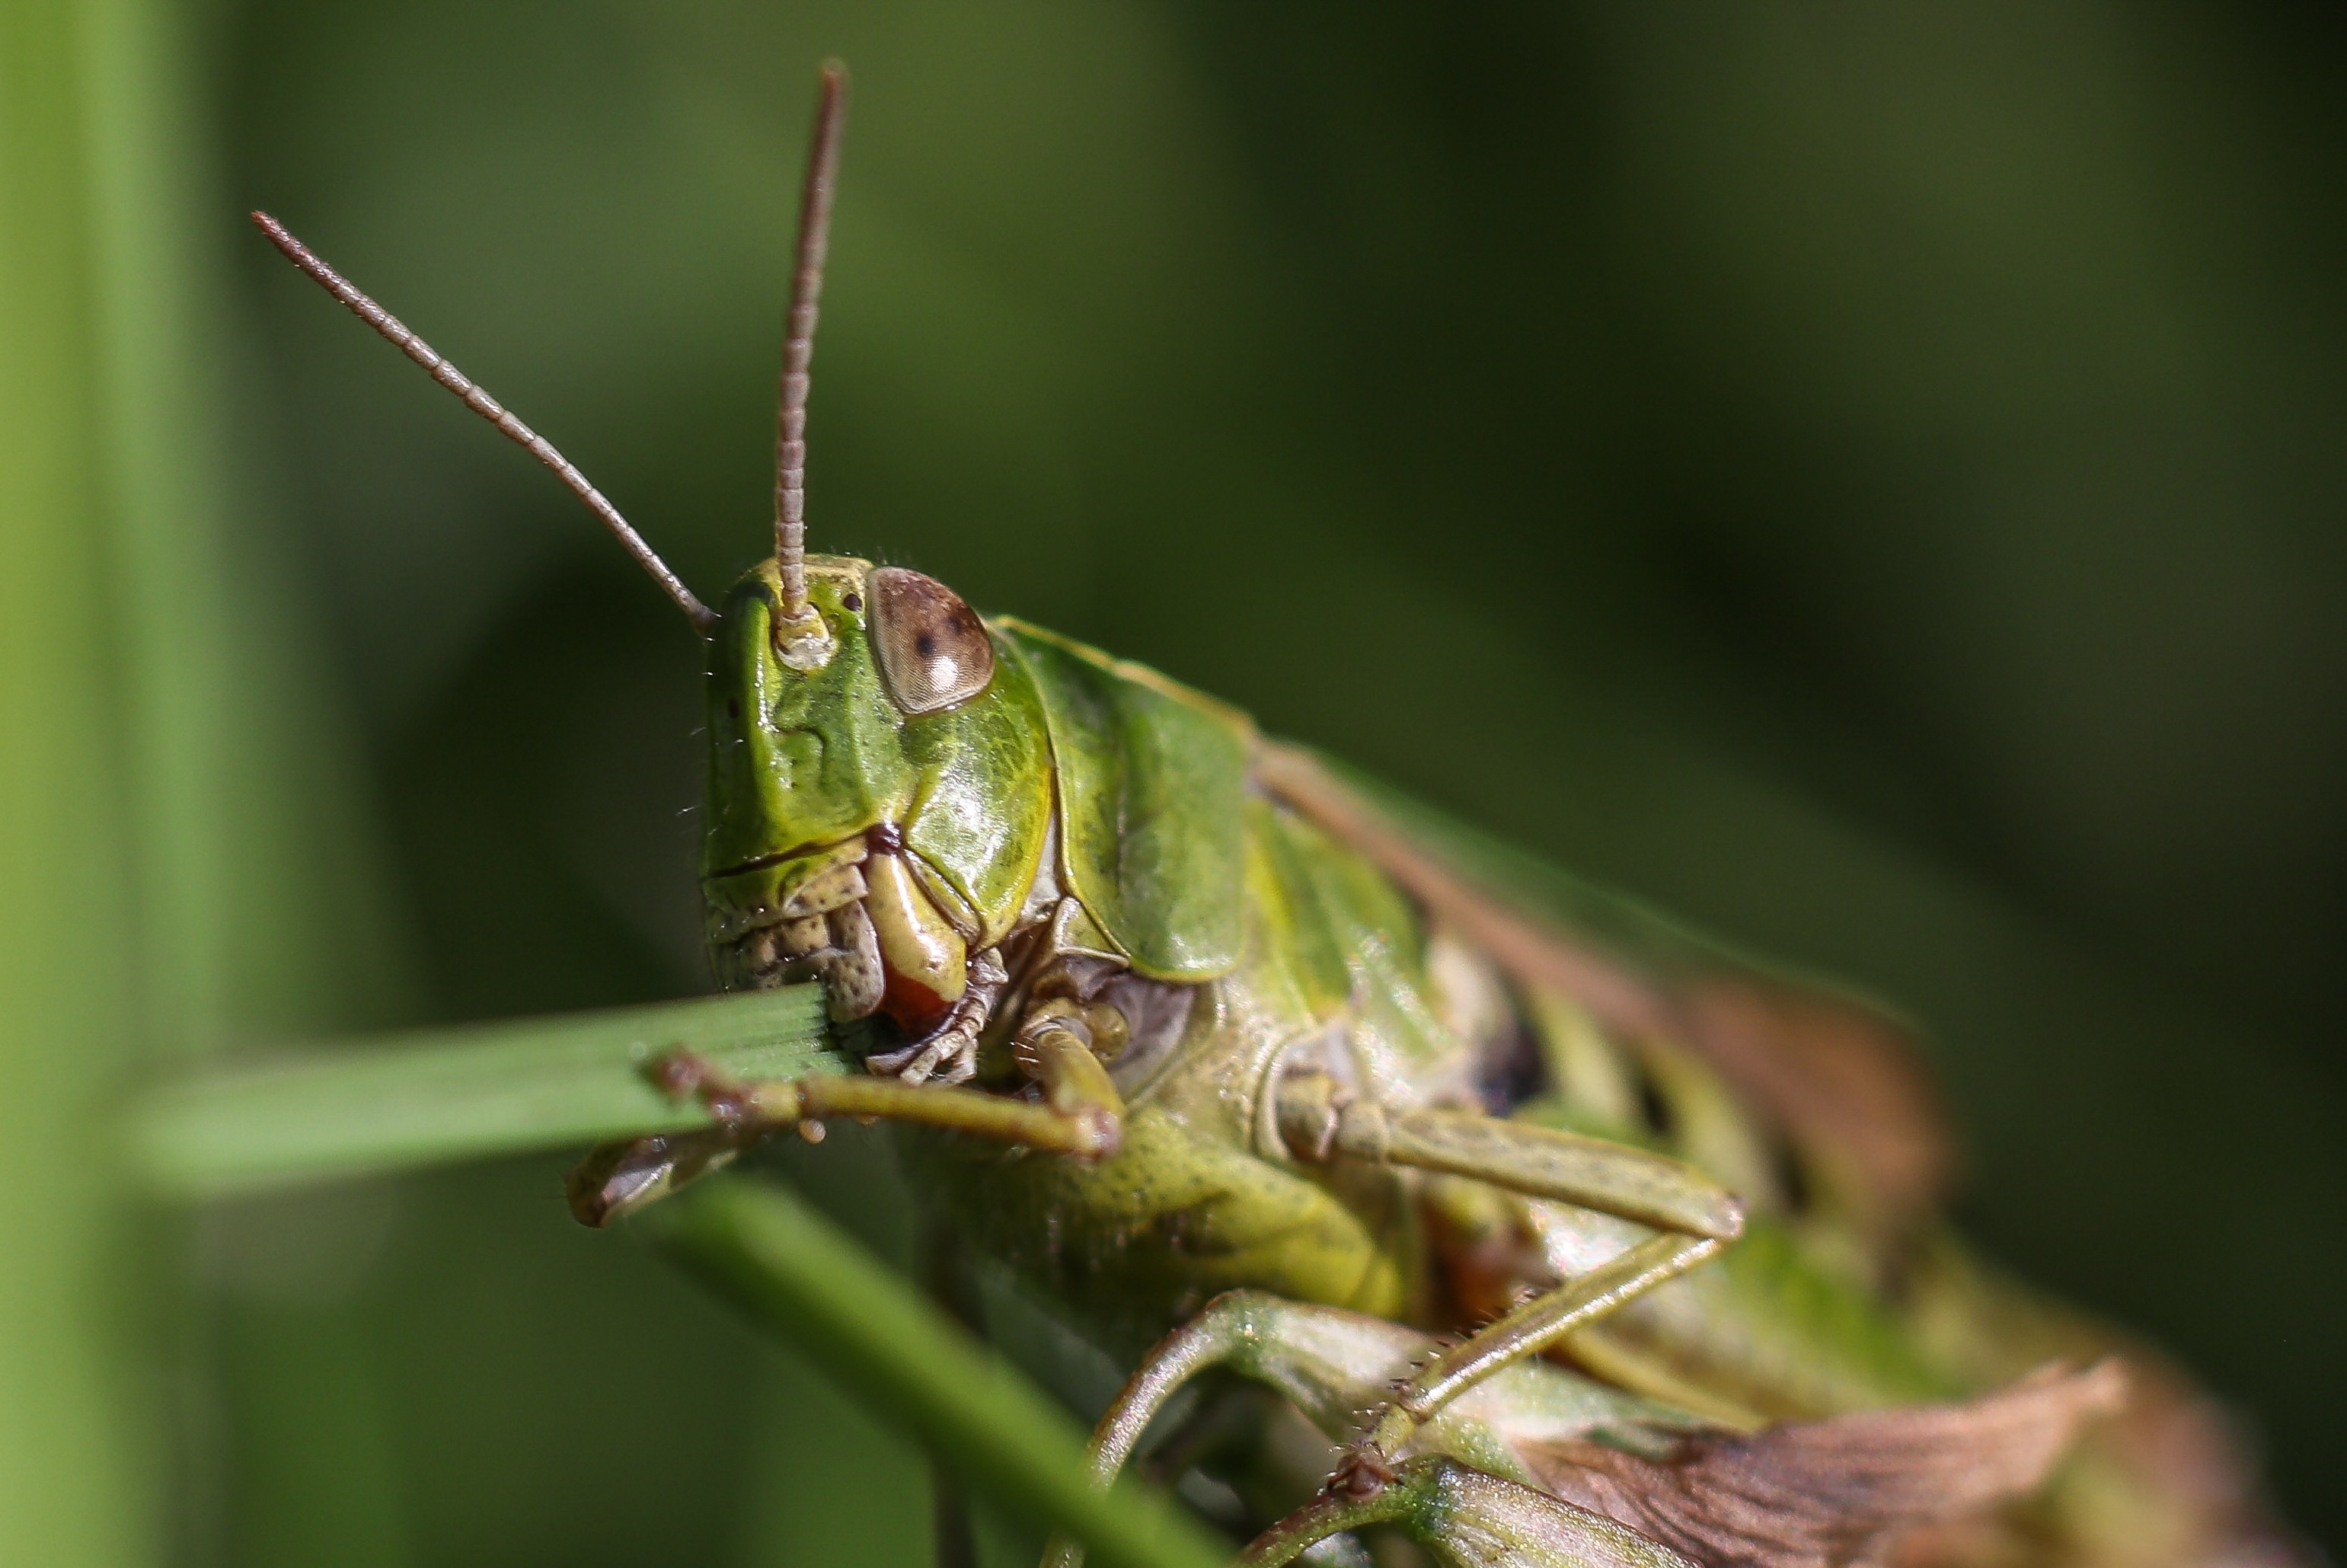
1576,1248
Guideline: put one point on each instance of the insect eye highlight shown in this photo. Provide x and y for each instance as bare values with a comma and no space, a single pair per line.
934,651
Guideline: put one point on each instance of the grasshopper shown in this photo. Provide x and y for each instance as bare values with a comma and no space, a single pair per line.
1542,1232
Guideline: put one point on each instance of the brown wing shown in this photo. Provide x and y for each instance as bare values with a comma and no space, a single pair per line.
1818,1494
1838,1075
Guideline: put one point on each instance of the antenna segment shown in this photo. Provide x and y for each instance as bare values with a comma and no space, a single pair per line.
495,413
798,346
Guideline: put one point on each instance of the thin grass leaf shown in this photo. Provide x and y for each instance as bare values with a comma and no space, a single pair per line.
793,1272
71,1482
403,1100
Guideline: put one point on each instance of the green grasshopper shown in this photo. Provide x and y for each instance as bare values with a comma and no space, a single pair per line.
1560,1236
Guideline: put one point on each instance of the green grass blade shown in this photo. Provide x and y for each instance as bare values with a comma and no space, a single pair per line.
401,1101
792,1271
398,1101
73,1488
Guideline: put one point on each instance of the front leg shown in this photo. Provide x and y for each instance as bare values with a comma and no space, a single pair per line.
1080,1115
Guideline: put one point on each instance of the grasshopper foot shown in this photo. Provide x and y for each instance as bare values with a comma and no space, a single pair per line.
617,1179
1363,1473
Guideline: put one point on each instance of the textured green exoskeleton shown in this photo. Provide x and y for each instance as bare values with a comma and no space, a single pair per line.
1574,1239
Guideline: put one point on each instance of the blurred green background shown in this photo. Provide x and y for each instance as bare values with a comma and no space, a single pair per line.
1868,479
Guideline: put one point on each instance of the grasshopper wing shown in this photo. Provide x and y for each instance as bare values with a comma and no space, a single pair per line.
1838,1074
1814,1494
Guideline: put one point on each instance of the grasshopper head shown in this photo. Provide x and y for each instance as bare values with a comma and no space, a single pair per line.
879,789
879,776
879,779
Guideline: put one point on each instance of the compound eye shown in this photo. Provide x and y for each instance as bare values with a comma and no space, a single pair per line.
934,651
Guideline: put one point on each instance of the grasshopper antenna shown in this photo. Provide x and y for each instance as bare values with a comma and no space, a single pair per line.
491,409
798,347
